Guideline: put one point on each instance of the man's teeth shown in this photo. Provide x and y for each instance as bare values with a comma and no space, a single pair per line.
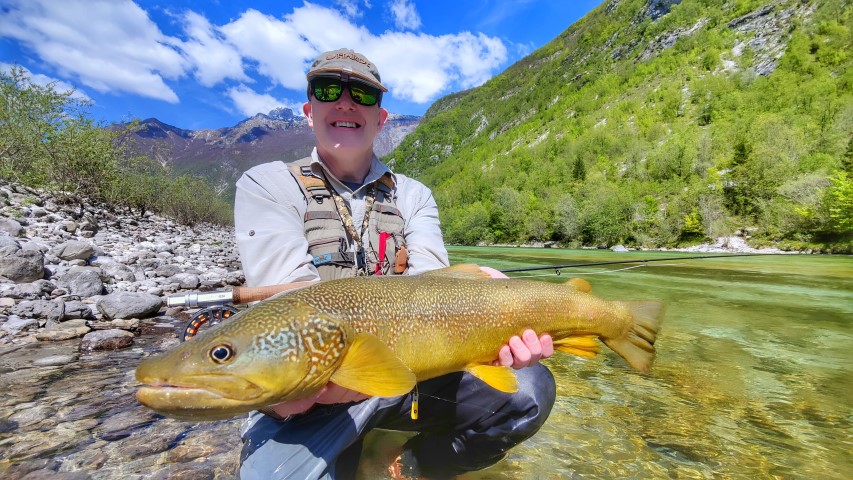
346,124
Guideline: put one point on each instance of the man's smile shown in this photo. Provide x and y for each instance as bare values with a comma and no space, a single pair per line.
345,124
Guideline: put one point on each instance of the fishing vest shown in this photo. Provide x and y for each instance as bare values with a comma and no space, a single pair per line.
384,252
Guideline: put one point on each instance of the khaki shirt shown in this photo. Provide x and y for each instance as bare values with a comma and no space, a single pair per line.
269,209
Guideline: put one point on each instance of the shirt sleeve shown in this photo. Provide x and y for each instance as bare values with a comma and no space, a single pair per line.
268,224
422,230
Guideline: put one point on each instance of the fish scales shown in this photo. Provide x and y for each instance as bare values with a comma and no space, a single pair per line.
379,335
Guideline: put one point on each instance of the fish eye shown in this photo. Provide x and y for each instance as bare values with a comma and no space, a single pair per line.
221,353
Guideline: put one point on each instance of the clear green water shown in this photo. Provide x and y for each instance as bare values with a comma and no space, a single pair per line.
754,375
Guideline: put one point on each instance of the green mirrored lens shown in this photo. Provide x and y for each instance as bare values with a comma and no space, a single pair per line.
363,94
328,91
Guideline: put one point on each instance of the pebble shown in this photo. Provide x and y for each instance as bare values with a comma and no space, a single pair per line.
55,360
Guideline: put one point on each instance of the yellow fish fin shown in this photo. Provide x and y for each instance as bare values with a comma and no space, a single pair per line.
463,270
499,378
580,345
637,347
370,367
580,284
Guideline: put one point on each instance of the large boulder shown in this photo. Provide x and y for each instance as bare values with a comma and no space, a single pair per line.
22,266
74,250
129,305
11,226
82,281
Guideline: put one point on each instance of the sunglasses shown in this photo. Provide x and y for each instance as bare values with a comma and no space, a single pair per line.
331,89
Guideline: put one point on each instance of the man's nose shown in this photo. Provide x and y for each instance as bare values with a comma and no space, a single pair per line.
346,101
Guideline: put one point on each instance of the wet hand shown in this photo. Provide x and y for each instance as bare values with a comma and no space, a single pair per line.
329,394
524,351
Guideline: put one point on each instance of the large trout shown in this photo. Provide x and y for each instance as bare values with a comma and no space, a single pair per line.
381,335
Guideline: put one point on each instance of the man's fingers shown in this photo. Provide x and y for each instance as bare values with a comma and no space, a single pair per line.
531,341
547,345
520,353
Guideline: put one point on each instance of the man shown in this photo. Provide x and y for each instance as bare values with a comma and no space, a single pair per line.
340,213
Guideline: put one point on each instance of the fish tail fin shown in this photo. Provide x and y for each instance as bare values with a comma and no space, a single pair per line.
638,346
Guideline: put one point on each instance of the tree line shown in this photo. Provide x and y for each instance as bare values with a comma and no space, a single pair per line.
587,142
48,140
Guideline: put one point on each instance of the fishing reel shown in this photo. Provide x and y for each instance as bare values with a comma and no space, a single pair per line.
206,318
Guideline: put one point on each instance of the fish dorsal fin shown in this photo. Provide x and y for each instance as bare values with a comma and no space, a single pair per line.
580,345
580,284
499,378
463,270
370,367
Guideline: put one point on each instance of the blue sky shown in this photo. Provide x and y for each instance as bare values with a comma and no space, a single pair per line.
210,64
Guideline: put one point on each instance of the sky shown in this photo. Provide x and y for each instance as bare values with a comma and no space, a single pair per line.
210,64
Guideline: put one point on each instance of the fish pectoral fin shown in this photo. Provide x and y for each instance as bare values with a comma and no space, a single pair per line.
467,271
370,367
499,378
580,345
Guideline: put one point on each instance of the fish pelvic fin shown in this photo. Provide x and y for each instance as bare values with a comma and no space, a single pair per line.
580,284
370,367
465,271
497,377
581,345
637,347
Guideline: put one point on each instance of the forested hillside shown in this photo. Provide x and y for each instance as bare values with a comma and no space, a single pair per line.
655,125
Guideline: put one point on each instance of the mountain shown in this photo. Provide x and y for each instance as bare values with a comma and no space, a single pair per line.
222,155
655,123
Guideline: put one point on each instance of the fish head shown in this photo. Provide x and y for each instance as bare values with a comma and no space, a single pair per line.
273,352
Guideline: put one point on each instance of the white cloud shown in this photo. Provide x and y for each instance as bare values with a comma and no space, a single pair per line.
405,15
214,59
421,67
415,66
113,46
350,7
108,45
250,103
43,81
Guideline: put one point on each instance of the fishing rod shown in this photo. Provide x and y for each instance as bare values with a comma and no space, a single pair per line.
557,268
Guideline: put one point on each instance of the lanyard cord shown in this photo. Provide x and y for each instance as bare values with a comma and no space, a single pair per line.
346,219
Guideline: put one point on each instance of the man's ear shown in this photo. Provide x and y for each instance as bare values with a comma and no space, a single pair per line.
383,117
306,109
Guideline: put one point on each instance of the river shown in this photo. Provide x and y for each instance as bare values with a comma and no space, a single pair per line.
754,379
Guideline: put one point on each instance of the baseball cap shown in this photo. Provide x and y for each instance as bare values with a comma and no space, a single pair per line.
345,64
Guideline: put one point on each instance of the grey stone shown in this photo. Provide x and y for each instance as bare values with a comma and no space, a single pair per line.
16,324
167,270
119,272
11,226
113,339
129,305
74,249
83,281
185,280
45,309
22,266
76,309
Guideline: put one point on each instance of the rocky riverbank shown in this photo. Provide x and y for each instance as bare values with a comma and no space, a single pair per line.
81,303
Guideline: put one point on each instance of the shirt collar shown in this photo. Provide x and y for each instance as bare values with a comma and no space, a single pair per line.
377,170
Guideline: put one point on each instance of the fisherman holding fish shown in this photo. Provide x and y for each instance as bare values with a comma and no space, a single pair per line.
342,213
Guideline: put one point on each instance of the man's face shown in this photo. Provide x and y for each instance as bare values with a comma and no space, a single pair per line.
343,127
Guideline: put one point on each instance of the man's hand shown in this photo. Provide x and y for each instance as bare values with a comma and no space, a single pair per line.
524,351
329,394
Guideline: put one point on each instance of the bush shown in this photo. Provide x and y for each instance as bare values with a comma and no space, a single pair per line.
47,140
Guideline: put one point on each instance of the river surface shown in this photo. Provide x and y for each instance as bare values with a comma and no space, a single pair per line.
753,379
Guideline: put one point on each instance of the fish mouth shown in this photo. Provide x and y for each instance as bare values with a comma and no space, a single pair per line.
202,397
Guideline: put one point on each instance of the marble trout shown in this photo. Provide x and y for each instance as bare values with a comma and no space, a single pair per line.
381,335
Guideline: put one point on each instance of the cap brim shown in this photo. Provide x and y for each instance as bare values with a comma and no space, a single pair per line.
336,73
